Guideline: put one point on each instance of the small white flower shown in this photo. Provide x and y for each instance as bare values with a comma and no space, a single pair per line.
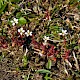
14,21
21,31
45,38
28,33
64,32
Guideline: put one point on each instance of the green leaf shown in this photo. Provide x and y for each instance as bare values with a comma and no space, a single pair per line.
54,28
73,1
43,71
48,66
78,0
47,77
77,73
76,47
3,7
29,4
25,60
3,30
0,34
15,0
9,22
69,78
22,20
1,3
32,15
1,57
78,7
27,77
18,15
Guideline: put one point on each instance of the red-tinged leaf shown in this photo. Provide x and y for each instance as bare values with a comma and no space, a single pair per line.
14,39
43,47
51,50
19,42
57,52
64,41
66,54
35,44
47,15
49,54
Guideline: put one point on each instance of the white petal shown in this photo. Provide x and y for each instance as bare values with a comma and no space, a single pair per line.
23,31
30,33
47,38
62,30
45,41
14,19
18,30
65,31
16,22
44,38
26,33
11,21
13,24
60,33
